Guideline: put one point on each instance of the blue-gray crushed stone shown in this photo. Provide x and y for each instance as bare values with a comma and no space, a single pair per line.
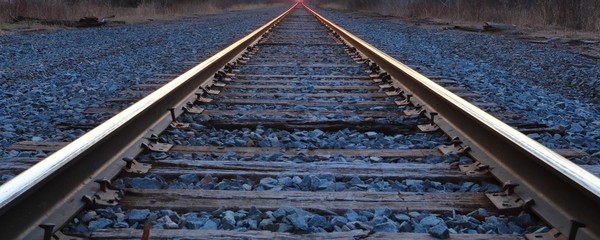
294,220
547,85
51,77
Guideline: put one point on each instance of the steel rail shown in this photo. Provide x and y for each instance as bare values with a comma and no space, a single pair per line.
564,194
51,191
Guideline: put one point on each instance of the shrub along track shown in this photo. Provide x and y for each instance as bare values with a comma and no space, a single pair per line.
302,129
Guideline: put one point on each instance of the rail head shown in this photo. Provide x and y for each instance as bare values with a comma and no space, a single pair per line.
562,192
36,195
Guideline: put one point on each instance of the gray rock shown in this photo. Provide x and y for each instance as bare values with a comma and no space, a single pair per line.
299,221
252,224
405,227
514,228
89,216
371,134
378,219
266,224
351,215
196,223
524,220
284,227
279,213
228,222
189,178
360,225
285,181
382,212
145,183
254,212
137,215
339,221
401,217
414,214
356,181
317,221
210,225
268,182
419,228
99,223
366,213
439,231
430,221
415,185
465,187
168,223
576,128
386,227
121,225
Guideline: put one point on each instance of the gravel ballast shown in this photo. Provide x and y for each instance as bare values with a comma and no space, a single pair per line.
547,85
51,77
298,221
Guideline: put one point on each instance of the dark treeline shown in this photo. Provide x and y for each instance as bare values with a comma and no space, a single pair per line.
73,9
576,14
167,3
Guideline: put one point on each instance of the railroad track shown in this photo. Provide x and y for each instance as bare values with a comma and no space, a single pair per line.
301,130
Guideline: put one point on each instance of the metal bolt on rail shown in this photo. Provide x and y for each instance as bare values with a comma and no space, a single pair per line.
190,108
155,146
200,98
507,201
134,167
406,101
210,91
509,187
415,111
474,169
175,123
455,147
48,230
395,92
105,197
575,226
432,126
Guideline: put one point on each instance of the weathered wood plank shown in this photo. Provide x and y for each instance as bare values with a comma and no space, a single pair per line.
208,200
94,110
299,114
272,113
129,233
146,86
245,76
124,100
315,95
301,81
254,101
332,88
251,151
330,125
305,65
17,165
42,146
260,169
321,82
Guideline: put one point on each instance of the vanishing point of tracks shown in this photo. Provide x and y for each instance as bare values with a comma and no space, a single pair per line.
302,130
